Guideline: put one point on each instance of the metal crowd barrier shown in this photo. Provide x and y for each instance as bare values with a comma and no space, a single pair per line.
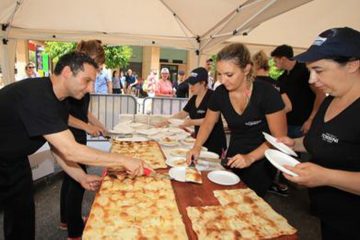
163,105
107,107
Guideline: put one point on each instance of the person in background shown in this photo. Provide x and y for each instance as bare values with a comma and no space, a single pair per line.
333,173
182,86
81,122
30,71
122,81
130,79
305,99
261,69
196,109
116,82
39,114
137,88
150,83
249,108
163,85
209,68
103,83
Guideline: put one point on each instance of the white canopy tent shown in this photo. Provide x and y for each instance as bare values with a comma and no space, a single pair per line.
300,26
199,25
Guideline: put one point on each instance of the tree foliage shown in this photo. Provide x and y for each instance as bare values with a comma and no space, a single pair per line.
115,56
57,49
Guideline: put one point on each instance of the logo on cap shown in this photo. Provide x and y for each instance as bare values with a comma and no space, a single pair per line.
319,41
194,74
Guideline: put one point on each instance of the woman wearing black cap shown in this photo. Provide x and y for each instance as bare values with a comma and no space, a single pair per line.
196,109
333,174
249,108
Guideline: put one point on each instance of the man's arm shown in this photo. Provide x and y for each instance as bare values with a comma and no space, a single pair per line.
92,129
287,102
64,145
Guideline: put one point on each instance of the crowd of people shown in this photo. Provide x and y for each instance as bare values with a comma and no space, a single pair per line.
311,107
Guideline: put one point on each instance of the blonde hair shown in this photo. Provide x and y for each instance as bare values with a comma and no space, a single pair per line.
261,60
239,54
94,49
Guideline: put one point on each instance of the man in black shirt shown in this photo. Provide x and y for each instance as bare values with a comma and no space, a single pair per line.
33,112
305,99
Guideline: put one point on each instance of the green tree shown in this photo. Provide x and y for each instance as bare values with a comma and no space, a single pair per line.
57,49
115,56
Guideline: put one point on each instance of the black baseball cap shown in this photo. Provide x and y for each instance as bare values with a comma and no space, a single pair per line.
198,75
283,51
333,43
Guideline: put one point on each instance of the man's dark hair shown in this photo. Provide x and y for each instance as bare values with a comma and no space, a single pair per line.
75,60
283,51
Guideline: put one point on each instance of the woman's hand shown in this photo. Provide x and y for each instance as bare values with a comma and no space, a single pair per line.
186,123
193,155
161,124
240,161
90,182
287,141
309,174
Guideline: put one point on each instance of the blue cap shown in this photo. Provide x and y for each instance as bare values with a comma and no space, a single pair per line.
333,43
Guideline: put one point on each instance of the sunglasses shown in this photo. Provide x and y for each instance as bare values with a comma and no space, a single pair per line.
30,67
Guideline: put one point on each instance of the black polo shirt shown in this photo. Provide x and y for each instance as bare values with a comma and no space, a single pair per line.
295,83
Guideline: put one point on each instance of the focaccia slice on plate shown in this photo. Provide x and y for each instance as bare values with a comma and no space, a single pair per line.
193,175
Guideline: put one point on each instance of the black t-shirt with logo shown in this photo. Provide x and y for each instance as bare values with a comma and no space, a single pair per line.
246,129
335,144
29,109
295,84
216,141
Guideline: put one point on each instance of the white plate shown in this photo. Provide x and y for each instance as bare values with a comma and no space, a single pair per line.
179,152
189,141
175,122
223,177
137,125
133,139
122,129
282,147
279,159
150,131
178,173
168,142
174,162
211,155
175,130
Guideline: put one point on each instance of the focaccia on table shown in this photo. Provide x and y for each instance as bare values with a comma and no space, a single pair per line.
241,215
149,151
140,208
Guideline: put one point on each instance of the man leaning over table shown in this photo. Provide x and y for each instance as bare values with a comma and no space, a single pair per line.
39,114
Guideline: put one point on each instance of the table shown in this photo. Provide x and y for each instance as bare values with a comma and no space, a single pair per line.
196,195
192,194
